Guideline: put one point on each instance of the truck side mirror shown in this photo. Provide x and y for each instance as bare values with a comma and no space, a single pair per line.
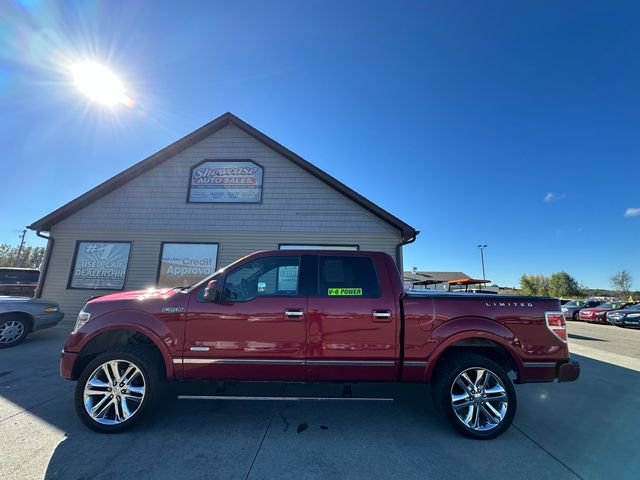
212,292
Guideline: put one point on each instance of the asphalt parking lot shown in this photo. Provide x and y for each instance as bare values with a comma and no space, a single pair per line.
588,429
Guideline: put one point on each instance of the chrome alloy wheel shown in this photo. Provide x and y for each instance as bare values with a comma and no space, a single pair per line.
479,399
114,392
11,331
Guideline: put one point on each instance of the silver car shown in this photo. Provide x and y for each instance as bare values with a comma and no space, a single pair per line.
19,316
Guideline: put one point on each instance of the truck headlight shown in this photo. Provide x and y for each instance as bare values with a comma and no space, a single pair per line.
83,317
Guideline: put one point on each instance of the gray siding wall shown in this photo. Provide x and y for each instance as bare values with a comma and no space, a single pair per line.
296,208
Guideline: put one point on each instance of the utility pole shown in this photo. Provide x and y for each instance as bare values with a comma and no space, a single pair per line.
482,247
22,235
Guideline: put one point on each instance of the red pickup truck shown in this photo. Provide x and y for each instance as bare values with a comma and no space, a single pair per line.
315,316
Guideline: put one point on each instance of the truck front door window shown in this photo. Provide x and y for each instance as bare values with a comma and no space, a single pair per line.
269,276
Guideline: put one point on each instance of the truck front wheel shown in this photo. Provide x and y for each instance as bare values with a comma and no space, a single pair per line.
117,388
475,394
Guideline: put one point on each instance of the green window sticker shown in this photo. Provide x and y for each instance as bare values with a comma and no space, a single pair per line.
345,292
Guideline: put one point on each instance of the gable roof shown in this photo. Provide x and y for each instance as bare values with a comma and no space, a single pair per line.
46,222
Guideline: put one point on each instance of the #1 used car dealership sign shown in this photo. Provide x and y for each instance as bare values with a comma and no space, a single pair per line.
100,265
225,182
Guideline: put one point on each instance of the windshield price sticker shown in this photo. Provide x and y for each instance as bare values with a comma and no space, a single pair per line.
345,292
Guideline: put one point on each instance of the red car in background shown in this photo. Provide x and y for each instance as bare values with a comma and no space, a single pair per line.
599,314
18,282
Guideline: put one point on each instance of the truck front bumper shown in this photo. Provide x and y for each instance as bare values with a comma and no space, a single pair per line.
67,362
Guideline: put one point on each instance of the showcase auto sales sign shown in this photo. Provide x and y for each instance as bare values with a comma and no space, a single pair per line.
226,182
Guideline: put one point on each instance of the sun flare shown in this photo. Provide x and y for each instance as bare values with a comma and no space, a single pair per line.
99,83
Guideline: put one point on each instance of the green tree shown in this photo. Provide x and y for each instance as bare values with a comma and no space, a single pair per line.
563,285
535,284
30,257
622,282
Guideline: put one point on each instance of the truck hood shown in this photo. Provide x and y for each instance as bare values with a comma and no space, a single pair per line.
135,295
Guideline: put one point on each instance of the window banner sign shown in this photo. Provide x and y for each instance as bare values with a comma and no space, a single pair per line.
226,182
288,278
100,265
182,264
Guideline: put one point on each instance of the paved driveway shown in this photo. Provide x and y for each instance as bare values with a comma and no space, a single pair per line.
588,429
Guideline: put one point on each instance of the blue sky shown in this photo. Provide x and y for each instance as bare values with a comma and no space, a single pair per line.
459,117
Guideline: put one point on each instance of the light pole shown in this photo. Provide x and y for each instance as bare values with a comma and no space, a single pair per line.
482,247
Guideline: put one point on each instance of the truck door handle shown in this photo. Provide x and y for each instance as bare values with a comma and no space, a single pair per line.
381,316
293,314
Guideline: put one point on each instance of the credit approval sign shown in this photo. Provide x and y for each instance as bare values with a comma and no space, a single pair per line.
186,263
226,181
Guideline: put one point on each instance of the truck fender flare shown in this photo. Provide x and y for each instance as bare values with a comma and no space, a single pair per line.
472,327
137,322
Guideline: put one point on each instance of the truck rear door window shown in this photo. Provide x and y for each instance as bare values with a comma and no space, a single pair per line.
350,277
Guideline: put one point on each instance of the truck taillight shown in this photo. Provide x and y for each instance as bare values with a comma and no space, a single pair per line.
556,324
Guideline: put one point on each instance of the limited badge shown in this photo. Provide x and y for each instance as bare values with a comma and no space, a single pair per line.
345,292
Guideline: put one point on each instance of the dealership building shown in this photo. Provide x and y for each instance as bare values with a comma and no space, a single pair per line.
221,192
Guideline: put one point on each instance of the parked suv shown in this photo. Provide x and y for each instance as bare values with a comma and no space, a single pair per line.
18,282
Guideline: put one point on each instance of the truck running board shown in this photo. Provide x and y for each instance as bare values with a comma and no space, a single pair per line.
284,399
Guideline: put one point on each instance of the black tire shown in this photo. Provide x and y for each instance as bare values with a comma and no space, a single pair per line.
13,324
150,365
446,373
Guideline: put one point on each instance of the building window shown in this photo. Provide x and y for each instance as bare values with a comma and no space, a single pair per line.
287,246
100,265
348,277
184,264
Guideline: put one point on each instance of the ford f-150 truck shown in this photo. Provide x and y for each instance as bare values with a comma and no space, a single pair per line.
315,316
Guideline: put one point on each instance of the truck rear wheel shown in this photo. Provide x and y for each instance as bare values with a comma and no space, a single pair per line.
117,388
475,394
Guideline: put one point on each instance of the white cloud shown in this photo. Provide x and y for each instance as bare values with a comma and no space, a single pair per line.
632,212
552,197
